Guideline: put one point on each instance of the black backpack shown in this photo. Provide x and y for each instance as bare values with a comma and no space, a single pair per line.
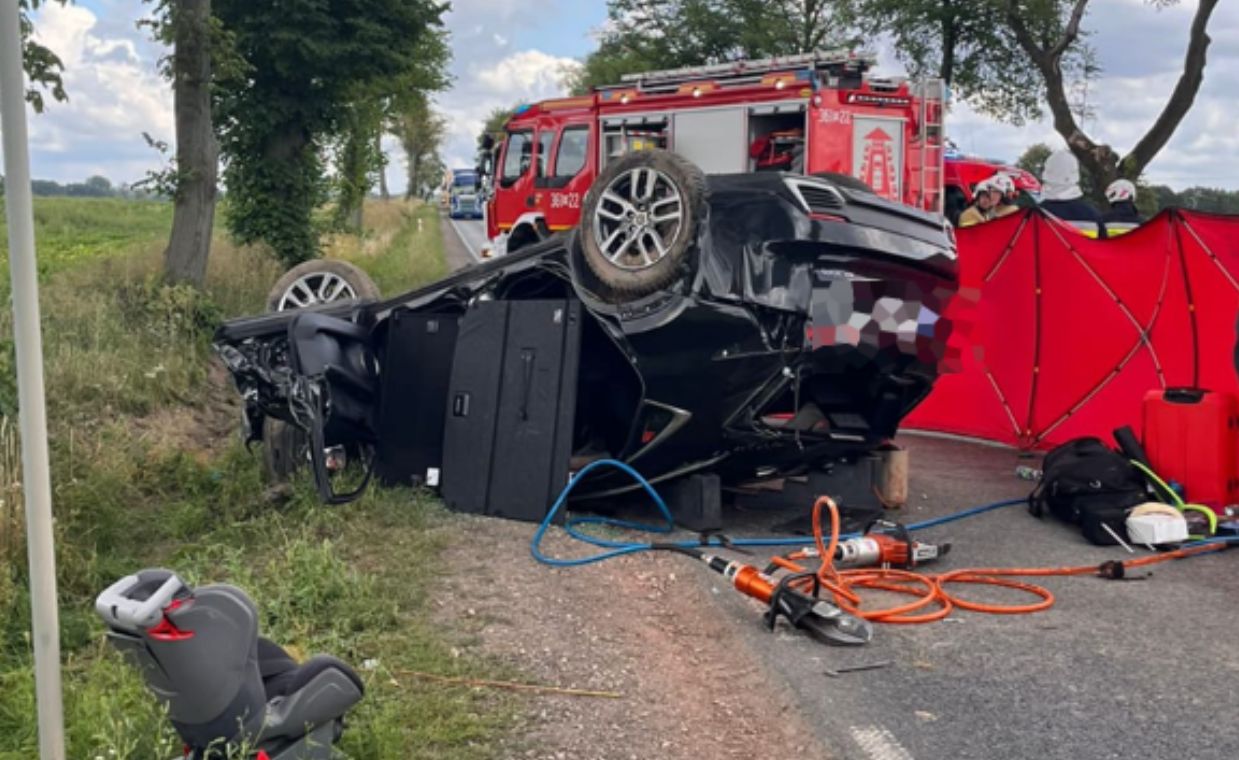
1085,482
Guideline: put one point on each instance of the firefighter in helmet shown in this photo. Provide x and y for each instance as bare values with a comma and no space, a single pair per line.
1008,195
1062,197
1123,215
986,198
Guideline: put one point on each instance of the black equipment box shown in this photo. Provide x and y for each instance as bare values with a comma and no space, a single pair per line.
511,404
417,365
851,482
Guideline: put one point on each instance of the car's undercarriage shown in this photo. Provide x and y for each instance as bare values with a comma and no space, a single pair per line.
802,322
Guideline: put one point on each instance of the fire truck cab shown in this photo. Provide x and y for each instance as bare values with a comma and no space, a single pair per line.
812,113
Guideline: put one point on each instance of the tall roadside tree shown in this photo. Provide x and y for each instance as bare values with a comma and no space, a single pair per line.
376,107
1046,52
421,132
384,192
42,65
655,34
966,44
187,25
1033,159
783,27
488,142
496,120
359,157
305,63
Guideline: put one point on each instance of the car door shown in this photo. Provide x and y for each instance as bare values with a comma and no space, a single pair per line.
568,174
538,200
311,368
514,179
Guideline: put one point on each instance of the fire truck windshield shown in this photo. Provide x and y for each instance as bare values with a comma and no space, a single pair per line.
517,156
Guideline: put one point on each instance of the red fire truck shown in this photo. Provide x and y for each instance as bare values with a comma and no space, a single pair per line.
818,112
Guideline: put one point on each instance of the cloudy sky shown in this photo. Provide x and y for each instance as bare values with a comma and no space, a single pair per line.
508,51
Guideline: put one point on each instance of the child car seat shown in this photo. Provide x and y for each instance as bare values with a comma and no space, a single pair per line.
226,687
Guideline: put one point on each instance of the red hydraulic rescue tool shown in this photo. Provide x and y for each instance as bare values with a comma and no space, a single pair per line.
797,596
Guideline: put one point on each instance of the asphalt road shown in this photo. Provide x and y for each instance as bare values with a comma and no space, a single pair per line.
1115,669
471,232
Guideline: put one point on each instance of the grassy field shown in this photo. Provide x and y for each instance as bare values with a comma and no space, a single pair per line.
72,230
147,471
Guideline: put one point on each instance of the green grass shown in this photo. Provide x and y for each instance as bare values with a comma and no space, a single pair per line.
401,248
138,483
71,230
350,581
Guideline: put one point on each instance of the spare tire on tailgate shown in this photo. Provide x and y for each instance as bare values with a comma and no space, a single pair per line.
640,220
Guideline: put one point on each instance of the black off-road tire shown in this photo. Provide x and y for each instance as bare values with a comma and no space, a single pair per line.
362,286
638,279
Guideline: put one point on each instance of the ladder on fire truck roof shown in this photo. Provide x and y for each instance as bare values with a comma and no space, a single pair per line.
819,60
932,96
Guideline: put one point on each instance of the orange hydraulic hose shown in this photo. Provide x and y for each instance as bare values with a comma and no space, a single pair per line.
928,590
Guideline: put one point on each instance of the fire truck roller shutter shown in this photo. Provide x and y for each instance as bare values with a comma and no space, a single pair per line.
639,221
713,139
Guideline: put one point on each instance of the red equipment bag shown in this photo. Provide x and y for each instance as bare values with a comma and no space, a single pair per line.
1192,436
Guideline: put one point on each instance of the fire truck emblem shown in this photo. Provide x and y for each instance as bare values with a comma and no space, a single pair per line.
878,165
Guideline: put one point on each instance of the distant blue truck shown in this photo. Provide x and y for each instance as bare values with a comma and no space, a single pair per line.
464,195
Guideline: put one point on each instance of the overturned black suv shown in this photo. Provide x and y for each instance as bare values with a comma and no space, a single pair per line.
754,326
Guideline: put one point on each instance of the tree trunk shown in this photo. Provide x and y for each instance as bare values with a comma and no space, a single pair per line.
378,146
412,156
353,167
197,152
1181,99
950,38
294,189
1100,160
806,31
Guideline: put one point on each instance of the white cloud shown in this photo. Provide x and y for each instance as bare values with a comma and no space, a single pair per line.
488,73
114,95
479,16
523,77
527,74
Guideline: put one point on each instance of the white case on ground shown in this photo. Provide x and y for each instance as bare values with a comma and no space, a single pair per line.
1157,529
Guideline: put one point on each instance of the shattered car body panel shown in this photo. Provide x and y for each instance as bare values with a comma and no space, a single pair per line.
808,322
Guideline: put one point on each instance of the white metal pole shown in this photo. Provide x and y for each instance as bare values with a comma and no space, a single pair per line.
36,480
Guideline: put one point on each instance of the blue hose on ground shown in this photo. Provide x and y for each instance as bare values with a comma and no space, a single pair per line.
619,548
1231,540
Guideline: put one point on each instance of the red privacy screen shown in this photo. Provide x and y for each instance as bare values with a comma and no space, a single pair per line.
1060,335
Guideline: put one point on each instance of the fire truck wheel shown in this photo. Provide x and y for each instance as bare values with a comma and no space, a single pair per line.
522,236
320,281
640,220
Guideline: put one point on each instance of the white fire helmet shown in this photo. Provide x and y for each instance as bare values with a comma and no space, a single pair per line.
1003,183
1121,190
